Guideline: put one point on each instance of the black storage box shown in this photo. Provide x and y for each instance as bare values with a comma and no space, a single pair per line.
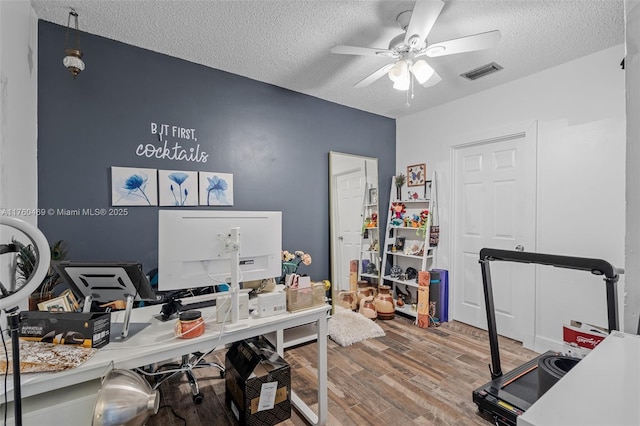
89,329
258,383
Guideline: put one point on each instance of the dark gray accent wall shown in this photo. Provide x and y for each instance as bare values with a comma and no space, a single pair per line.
274,141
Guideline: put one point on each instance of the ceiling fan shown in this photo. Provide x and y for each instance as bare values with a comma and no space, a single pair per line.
410,48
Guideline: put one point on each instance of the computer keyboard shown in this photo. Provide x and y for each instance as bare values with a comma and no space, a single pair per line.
197,305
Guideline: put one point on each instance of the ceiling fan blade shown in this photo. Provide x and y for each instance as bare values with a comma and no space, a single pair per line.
373,76
433,80
464,44
424,15
362,51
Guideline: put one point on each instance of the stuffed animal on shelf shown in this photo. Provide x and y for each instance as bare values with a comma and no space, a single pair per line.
398,210
374,220
397,222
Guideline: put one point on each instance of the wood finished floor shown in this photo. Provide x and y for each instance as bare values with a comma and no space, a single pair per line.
410,376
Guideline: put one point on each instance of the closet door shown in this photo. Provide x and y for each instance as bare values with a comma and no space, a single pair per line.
494,206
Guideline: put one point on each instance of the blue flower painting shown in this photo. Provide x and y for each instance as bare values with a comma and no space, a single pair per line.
133,187
216,189
178,188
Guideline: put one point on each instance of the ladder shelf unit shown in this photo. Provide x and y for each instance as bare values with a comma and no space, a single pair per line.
410,244
369,262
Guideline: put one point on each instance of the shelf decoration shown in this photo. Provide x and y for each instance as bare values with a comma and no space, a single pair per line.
291,262
416,175
399,181
373,195
424,220
398,209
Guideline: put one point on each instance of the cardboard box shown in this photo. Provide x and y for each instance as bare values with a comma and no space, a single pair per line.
90,329
258,383
581,338
353,275
272,303
423,299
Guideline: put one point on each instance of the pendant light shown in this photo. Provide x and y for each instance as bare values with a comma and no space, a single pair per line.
73,58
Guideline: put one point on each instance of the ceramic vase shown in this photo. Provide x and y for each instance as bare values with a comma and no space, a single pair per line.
361,291
385,307
348,300
368,308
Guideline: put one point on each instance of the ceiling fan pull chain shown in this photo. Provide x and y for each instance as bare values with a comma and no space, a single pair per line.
408,104
411,77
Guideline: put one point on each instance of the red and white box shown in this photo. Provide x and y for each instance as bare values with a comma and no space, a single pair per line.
581,338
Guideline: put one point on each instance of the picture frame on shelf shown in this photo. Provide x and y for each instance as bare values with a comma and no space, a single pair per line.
416,175
57,304
427,190
373,195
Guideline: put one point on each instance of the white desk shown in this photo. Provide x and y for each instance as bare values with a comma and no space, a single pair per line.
602,389
157,344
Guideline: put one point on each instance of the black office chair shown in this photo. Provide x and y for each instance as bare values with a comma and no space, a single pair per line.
170,310
188,363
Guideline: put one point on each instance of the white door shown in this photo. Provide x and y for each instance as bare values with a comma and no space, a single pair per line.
350,189
494,206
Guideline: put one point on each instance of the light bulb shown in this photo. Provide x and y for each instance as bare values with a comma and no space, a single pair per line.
422,71
403,82
399,70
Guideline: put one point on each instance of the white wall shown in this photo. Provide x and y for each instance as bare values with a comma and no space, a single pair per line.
18,113
580,110
18,105
632,61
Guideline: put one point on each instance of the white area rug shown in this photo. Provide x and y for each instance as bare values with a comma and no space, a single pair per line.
347,327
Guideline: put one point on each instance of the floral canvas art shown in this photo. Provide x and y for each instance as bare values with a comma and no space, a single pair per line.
178,188
131,186
216,189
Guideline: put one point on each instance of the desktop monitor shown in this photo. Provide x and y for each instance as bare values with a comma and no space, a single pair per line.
193,247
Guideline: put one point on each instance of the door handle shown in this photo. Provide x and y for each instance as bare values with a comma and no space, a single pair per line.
519,247
341,238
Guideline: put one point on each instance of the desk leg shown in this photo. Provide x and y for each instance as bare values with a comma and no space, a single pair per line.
323,398
280,342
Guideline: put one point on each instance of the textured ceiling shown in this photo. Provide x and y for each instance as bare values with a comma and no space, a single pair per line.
286,43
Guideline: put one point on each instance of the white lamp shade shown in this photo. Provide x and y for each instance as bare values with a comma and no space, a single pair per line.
399,70
403,82
73,62
422,71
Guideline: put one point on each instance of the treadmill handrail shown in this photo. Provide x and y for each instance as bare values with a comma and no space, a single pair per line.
595,266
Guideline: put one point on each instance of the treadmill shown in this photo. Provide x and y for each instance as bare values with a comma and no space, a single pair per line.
509,395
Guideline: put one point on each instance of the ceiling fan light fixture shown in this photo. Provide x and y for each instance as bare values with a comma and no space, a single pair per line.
422,71
399,71
403,83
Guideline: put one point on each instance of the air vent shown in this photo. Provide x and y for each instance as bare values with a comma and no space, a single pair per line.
482,71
